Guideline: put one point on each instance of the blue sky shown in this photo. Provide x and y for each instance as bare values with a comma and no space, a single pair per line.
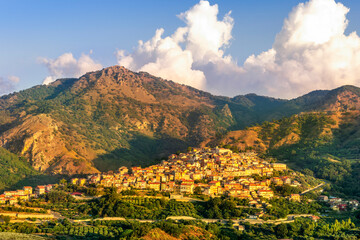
32,29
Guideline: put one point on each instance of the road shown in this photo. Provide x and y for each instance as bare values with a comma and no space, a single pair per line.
311,189
290,218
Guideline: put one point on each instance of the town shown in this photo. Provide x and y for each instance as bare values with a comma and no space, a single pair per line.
203,171
206,171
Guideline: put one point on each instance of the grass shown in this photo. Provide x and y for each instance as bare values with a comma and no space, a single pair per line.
20,236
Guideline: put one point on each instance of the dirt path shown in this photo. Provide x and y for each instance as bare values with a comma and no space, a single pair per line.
311,189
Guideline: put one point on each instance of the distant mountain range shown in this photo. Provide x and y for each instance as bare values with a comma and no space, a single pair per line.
114,117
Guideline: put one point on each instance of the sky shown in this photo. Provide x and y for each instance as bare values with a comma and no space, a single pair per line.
279,48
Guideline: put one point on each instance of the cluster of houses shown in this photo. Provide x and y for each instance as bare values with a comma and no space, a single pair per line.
210,171
338,204
25,194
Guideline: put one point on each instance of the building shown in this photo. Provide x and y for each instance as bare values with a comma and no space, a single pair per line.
295,197
278,166
28,190
154,185
39,190
81,181
74,181
265,193
323,198
187,188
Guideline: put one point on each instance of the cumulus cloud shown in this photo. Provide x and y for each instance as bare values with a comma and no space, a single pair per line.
67,65
176,57
310,52
8,84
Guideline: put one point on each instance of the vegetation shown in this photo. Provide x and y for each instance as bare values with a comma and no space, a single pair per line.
13,169
321,152
135,207
301,228
281,207
20,236
321,145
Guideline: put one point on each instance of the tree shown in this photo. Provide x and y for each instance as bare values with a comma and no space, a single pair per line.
281,230
63,182
6,219
197,190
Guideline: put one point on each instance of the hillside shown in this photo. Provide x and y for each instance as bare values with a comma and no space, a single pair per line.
116,117
323,144
13,169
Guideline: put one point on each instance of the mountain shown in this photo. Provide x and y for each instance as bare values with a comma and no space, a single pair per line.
114,117
323,140
318,118
13,169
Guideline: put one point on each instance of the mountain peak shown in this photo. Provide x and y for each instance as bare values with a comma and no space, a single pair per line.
349,88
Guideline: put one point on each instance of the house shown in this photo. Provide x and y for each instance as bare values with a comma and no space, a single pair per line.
2,199
20,192
141,184
74,181
48,187
81,181
76,194
214,183
28,190
342,207
335,200
168,186
254,187
123,170
286,180
94,179
265,193
39,190
314,218
295,184
187,188
323,198
211,190
277,181
335,208
295,197
13,200
9,193
154,185
238,227
353,204
278,166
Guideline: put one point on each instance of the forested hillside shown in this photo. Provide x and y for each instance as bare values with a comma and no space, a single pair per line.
116,117
325,145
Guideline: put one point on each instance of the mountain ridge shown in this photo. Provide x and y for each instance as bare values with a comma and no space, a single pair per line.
114,117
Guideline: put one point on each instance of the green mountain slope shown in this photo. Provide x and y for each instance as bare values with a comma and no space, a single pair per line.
13,169
323,144
116,117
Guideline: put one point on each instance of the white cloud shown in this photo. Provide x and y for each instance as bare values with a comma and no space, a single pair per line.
68,66
203,38
310,52
8,84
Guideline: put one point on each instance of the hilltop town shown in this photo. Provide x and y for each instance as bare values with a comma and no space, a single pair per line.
200,171
208,171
